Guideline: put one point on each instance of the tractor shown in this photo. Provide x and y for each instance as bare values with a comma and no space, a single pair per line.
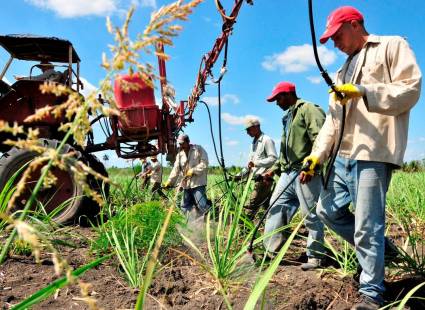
142,129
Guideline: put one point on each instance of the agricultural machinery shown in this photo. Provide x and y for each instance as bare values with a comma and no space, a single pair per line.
142,129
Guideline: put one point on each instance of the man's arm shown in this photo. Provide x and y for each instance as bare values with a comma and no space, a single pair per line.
325,139
314,118
203,161
402,92
175,171
271,155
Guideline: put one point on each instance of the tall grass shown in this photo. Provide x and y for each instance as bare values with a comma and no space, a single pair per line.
343,254
227,242
123,242
405,205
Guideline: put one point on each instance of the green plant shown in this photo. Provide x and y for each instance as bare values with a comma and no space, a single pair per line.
344,255
228,240
21,247
144,218
124,245
265,278
405,207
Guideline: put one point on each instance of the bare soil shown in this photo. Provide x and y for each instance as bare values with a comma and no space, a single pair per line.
180,283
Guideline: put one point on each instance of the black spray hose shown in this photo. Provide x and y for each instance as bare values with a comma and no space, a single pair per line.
219,160
305,167
331,84
220,139
211,131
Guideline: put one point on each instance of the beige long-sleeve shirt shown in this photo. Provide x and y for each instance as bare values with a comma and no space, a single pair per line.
262,153
156,170
376,124
197,160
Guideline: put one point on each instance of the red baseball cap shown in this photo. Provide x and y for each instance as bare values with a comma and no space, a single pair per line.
281,87
337,18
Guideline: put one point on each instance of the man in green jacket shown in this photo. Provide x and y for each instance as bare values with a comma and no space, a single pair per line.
301,124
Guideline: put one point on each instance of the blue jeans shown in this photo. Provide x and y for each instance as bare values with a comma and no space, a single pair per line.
365,185
195,197
297,195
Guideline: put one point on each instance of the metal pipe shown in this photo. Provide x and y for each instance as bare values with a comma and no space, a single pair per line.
6,67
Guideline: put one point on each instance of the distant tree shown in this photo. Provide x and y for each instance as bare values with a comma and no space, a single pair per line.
413,166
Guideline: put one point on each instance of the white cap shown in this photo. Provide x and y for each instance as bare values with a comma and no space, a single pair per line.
251,121
182,138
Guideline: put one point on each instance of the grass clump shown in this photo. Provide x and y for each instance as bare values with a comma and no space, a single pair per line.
143,217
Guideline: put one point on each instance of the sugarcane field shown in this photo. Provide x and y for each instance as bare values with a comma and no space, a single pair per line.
212,154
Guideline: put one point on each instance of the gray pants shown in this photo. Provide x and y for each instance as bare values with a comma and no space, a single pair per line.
297,195
260,196
156,190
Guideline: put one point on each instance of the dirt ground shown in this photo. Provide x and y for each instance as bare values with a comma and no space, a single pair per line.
180,283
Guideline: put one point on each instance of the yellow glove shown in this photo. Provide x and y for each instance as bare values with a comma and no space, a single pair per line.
189,173
166,184
313,163
349,91
149,174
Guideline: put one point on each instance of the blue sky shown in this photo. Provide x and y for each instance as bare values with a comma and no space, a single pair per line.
270,43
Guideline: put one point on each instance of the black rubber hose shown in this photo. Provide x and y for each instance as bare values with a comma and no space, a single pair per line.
305,167
331,84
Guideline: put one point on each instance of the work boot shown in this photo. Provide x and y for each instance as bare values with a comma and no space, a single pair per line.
312,263
366,303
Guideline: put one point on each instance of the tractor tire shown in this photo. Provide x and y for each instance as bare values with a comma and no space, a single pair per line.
90,212
67,187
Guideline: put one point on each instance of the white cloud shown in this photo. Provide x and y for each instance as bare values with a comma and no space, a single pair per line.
148,3
227,98
230,98
314,79
88,87
236,120
78,8
232,142
299,58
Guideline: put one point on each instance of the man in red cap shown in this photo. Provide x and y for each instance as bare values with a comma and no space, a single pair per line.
301,124
380,82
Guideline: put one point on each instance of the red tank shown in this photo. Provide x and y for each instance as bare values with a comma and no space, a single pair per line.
139,113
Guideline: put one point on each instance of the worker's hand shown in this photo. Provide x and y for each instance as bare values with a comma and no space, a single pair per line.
189,173
268,176
349,91
250,165
18,77
167,184
310,162
149,174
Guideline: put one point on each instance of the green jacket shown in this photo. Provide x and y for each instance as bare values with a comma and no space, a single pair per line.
304,120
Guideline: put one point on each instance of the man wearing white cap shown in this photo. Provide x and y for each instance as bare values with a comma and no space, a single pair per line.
192,165
380,82
301,124
262,156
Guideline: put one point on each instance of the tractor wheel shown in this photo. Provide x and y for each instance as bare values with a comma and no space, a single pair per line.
65,199
89,213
